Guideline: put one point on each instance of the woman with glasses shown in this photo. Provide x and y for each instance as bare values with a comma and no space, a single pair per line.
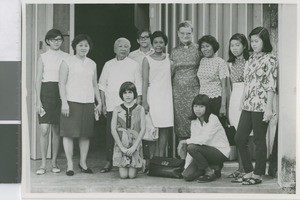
48,104
185,61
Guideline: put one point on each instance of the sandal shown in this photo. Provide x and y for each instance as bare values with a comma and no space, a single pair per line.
105,169
239,178
55,169
207,178
41,171
234,174
251,181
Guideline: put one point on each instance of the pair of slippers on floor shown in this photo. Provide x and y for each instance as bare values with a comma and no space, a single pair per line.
42,171
239,178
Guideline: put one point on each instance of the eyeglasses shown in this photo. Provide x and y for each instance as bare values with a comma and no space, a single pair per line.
56,40
145,37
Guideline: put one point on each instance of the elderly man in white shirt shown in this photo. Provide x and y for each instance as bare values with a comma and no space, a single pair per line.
145,49
115,72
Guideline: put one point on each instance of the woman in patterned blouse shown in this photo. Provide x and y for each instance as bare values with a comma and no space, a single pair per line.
260,82
238,56
212,74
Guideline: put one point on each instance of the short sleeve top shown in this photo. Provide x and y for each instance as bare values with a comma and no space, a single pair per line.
260,77
114,74
79,87
210,73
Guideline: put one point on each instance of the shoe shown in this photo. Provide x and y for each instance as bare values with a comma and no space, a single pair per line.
239,178
218,173
70,173
88,170
105,169
207,178
251,181
41,171
55,169
234,174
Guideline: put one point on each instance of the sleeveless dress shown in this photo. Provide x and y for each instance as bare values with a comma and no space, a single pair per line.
237,78
186,86
128,128
160,92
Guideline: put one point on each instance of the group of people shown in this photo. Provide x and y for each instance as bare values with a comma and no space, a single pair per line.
188,90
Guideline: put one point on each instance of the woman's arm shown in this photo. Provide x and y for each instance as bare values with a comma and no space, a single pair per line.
145,84
212,127
102,96
114,131
223,97
268,114
96,91
132,149
63,77
38,84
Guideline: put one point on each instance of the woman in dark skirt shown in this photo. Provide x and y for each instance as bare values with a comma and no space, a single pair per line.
48,102
78,90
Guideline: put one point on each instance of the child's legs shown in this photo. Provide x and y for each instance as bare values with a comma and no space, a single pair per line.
124,172
55,142
241,138
162,141
44,141
260,130
132,172
68,147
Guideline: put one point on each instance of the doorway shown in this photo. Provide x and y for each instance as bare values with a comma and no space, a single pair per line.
105,23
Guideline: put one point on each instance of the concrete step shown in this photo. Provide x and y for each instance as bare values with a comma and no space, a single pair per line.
111,183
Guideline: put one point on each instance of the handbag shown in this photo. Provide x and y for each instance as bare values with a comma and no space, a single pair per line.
229,130
166,167
151,133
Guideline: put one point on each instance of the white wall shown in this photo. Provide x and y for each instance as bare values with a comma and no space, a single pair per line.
287,51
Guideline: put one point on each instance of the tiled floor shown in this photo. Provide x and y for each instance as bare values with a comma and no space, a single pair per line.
110,182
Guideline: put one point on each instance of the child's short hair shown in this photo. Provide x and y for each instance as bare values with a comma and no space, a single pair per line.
127,86
201,99
53,33
79,38
210,40
242,38
145,30
264,35
159,34
186,24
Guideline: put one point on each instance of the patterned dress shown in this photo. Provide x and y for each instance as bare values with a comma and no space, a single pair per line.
128,128
185,86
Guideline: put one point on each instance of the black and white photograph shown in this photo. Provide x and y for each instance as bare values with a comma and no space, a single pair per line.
159,100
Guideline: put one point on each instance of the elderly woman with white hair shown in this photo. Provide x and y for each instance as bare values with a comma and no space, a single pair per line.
115,72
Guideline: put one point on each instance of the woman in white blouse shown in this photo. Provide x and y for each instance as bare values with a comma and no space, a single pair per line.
208,146
78,89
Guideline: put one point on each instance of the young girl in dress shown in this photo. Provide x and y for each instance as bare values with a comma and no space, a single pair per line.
48,104
259,89
208,146
238,56
157,89
128,128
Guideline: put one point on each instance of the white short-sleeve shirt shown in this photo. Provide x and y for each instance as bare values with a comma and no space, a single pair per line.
114,74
